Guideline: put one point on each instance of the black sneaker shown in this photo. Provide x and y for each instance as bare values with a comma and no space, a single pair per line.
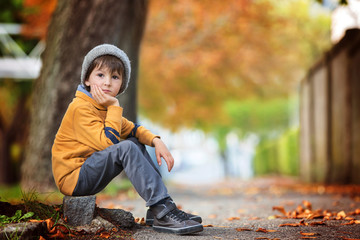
150,217
169,219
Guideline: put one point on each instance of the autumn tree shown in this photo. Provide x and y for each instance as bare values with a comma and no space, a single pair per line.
216,51
76,27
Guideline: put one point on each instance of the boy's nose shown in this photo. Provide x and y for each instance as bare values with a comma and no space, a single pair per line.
107,81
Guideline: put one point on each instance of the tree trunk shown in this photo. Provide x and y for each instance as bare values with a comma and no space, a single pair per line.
76,27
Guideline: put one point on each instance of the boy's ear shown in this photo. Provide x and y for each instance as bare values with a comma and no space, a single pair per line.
87,83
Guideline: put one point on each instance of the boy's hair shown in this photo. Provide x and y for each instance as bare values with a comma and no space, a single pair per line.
110,62
104,50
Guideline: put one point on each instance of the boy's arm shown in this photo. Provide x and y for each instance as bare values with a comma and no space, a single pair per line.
129,129
90,129
146,137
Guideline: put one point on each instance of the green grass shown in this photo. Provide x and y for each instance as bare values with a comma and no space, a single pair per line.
14,194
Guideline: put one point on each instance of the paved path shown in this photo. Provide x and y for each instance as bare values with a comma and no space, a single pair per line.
228,206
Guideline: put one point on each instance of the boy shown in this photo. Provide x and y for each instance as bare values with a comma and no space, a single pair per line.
90,147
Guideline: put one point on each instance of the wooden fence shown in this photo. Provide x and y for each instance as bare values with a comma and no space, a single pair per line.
330,115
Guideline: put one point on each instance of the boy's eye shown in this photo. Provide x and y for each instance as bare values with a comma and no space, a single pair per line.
116,77
100,74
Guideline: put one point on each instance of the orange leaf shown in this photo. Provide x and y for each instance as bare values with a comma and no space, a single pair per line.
35,220
243,229
349,223
340,215
233,218
58,234
264,230
62,228
280,209
209,225
308,233
307,204
261,230
49,225
317,223
105,235
289,225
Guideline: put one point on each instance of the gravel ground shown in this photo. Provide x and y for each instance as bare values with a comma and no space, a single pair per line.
227,206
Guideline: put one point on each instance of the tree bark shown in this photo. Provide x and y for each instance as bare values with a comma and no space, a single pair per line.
76,27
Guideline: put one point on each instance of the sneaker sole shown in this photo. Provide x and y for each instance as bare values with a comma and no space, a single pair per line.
180,231
150,221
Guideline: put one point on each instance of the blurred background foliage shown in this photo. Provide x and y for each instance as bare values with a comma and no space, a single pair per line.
218,66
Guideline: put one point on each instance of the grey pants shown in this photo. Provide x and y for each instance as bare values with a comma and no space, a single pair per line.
128,155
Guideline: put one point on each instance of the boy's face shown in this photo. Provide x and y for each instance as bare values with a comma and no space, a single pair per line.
110,83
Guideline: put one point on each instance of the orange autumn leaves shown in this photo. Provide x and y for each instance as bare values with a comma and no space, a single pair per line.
306,212
37,16
57,230
196,55
309,217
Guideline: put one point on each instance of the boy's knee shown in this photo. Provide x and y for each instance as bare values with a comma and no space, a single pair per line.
128,145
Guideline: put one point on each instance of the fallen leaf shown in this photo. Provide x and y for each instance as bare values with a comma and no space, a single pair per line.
317,223
233,218
49,225
340,215
212,216
140,221
35,220
209,225
243,229
280,209
308,237
307,204
58,234
105,235
349,223
289,225
218,237
264,230
62,228
308,233
303,223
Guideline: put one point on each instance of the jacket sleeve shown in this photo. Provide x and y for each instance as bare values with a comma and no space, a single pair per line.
129,129
91,130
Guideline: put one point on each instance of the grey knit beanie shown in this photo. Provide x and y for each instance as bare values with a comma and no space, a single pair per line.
107,49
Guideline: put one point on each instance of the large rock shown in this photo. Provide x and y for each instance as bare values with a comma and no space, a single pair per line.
118,217
79,211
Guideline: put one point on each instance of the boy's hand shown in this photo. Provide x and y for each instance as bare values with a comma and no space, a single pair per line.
103,98
162,151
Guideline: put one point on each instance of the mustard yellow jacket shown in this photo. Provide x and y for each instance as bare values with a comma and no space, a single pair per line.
88,127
